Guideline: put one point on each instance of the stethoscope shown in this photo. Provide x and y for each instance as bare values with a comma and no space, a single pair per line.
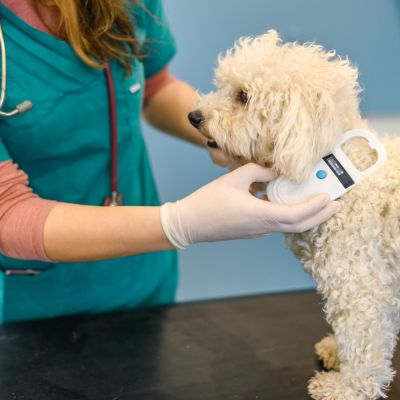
115,199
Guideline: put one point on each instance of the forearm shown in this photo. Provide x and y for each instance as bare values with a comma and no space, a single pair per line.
89,233
168,109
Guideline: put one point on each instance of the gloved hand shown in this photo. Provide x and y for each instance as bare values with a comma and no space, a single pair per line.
225,209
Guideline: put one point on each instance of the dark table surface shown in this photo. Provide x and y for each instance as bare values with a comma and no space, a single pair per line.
247,348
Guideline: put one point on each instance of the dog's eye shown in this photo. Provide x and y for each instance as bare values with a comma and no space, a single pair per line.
243,97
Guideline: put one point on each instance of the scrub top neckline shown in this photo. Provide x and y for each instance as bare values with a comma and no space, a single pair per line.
35,33
48,47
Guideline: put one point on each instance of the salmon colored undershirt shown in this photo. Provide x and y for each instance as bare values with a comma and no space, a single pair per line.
22,213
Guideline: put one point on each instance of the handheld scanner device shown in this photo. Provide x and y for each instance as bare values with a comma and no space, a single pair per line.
334,174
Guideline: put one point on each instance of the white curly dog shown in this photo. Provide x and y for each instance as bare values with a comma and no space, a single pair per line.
286,105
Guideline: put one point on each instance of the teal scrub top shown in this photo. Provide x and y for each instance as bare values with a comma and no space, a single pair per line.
63,144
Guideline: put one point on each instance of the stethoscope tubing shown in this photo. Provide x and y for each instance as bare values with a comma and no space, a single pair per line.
112,107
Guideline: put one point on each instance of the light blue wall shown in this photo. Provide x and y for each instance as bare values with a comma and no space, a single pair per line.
368,31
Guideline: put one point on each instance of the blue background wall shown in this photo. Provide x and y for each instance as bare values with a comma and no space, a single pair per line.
368,31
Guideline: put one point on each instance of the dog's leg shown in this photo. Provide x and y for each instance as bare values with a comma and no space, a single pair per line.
365,332
326,350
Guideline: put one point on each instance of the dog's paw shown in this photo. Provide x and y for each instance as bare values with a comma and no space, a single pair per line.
329,386
326,351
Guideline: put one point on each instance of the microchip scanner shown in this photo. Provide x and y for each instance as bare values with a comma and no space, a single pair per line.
334,174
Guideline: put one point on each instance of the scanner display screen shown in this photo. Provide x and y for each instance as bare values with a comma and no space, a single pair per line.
335,166
338,170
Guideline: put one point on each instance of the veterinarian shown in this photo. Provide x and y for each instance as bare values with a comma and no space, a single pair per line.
77,78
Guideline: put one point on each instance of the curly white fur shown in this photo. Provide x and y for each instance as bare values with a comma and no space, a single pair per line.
285,105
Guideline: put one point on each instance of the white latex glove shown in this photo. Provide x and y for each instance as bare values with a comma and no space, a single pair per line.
225,209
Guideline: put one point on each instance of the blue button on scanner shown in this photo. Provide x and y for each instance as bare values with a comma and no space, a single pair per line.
321,174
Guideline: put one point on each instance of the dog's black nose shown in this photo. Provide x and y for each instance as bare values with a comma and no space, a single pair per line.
195,118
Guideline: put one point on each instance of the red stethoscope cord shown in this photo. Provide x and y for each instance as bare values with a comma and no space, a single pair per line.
115,199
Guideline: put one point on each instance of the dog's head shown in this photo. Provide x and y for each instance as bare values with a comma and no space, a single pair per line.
281,105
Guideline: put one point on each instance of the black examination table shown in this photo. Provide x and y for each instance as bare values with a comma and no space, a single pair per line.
240,349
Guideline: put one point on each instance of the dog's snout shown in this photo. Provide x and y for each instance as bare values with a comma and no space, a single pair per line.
196,118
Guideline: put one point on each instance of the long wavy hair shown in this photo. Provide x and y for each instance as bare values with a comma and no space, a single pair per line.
98,30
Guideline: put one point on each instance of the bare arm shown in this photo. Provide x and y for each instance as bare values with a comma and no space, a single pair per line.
88,233
34,228
168,108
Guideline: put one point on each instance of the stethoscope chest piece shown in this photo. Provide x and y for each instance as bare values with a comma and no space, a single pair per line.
114,200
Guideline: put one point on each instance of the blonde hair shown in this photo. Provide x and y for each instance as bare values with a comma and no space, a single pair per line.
98,30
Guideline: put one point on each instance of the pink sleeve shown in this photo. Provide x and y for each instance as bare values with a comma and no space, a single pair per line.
22,215
156,82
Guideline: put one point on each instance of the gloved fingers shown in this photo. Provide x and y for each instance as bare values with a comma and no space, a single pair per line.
293,214
321,216
244,176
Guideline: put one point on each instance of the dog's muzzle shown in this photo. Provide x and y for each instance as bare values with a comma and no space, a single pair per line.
196,118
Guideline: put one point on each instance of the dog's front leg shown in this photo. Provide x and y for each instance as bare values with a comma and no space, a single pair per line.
365,330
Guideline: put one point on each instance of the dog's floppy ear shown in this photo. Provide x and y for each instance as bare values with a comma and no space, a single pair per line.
305,133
